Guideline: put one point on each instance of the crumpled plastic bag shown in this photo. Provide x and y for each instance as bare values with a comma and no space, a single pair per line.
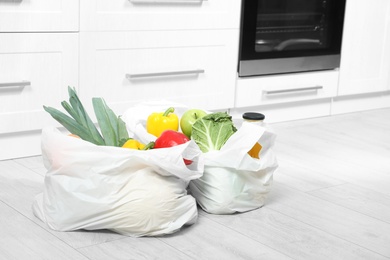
232,180
131,192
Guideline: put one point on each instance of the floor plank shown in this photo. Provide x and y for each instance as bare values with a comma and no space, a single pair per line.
304,179
368,202
23,239
133,248
34,163
211,240
364,166
292,237
360,229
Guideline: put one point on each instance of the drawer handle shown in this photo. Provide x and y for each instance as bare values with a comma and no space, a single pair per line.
163,74
282,91
17,84
166,1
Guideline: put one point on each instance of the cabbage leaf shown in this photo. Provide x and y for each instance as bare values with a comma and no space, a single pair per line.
212,131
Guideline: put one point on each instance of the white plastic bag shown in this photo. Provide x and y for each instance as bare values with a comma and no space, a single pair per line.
132,192
232,180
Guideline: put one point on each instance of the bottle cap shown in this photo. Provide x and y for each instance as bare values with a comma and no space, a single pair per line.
253,116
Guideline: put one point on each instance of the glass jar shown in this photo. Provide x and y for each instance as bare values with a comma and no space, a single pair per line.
254,118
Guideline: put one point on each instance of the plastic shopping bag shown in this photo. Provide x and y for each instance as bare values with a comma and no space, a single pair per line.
232,180
132,192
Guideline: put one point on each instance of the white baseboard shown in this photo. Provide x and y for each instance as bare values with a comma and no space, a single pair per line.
21,144
356,103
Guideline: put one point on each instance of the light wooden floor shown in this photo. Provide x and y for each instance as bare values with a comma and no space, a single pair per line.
330,200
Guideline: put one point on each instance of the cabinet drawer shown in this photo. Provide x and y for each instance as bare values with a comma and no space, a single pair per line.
196,68
35,71
39,15
256,91
102,15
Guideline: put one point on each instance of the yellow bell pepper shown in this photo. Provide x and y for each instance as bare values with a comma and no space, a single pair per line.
254,152
133,144
157,123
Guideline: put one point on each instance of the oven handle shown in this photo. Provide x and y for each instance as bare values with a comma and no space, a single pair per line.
166,1
164,74
281,46
282,91
17,84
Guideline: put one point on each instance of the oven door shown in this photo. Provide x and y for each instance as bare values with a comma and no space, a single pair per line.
281,36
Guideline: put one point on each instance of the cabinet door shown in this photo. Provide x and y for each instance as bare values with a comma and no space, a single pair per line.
39,15
35,71
195,68
124,15
284,88
365,59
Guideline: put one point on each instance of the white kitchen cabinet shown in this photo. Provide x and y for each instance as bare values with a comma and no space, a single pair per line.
280,112
286,97
179,50
39,15
365,59
139,15
35,71
38,60
276,89
192,67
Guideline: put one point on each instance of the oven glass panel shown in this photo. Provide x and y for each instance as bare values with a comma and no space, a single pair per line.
284,25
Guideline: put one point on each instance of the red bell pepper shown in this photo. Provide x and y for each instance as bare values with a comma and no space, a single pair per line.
170,138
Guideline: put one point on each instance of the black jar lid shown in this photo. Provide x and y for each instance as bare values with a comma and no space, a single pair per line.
253,116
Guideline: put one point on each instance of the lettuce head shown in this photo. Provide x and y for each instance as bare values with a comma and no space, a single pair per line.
212,131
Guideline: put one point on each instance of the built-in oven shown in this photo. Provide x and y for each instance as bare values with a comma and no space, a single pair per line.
284,36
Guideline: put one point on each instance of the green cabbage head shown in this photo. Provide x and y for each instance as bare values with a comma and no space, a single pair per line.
212,131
